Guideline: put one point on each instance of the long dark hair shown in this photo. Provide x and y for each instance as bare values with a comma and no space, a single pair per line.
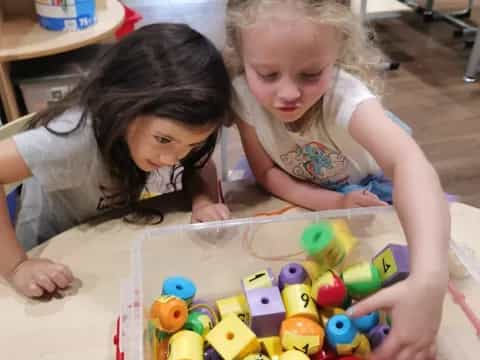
164,70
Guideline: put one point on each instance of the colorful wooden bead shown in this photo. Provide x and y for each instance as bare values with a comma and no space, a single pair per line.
298,301
392,262
341,334
303,334
343,234
313,269
199,323
378,334
362,348
361,280
293,355
329,290
272,346
211,354
232,339
291,274
327,312
367,322
236,305
324,354
261,279
180,287
185,345
320,243
266,311
169,313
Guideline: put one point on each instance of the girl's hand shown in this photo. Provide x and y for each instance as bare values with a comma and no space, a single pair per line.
36,277
361,198
416,310
210,212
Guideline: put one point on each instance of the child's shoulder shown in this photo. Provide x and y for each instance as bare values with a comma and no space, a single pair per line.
68,121
347,82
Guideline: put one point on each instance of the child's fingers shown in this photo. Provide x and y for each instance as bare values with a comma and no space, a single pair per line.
34,290
60,280
432,352
370,200
44,282
388,350
223,212
65,271
381,300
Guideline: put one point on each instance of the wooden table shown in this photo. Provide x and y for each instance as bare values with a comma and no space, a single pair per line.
80,325
22,37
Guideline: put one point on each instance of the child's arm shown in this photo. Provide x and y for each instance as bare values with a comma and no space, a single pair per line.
30,277
206,203
423,211
282,185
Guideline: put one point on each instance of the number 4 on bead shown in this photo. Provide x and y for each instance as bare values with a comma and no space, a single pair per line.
304,348
386,266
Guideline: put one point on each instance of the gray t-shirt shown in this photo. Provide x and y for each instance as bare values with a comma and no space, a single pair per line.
68,177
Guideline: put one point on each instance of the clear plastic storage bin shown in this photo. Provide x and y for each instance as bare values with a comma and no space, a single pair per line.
217,256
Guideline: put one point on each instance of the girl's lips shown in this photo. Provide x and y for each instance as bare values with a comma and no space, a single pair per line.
151,163
288,108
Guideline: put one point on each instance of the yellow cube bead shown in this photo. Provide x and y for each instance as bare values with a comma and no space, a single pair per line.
272,346
232,339
261,279
293,355
236,305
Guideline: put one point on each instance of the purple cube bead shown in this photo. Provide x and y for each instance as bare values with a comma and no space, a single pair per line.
378,334
291,274
266,310
393,264
211,354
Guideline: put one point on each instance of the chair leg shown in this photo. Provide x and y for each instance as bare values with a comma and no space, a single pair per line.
474,61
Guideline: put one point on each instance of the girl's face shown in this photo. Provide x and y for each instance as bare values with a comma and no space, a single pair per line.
155,142
289,63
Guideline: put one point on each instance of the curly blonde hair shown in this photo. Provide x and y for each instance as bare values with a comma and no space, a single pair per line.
358,55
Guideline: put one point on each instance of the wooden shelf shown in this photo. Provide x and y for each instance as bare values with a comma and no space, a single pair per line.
24,38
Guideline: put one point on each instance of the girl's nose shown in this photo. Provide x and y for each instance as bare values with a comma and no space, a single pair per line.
169,159
288,93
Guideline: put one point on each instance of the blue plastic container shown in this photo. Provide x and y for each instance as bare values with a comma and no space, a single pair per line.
65,15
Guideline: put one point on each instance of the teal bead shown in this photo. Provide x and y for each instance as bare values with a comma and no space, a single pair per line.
340,330
180,287
367,322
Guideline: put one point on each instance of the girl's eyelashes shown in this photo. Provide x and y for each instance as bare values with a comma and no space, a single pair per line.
162,139
268,76
311,76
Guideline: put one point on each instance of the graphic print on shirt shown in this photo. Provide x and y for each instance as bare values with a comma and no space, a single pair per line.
317,163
